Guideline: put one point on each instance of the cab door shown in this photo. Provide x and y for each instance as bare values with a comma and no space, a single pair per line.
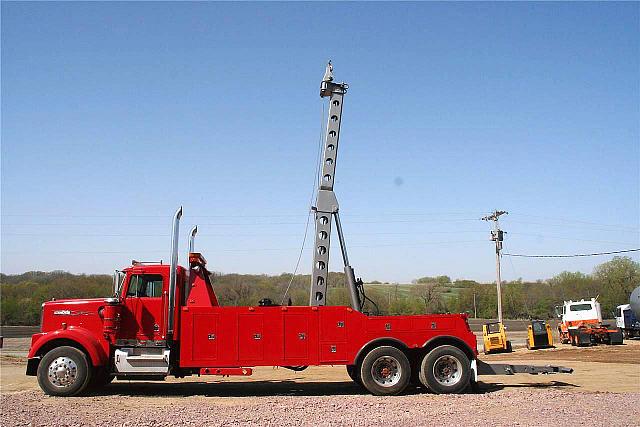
143,317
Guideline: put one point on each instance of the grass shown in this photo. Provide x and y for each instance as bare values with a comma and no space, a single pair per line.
403,290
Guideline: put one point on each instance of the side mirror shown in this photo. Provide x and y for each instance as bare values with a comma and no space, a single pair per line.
115,283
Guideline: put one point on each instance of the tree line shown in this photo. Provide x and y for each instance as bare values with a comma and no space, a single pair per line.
21,296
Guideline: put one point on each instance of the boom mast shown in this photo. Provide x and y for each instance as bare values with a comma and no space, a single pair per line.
326,202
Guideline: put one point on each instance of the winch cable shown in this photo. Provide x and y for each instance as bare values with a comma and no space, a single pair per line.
365,298
310,211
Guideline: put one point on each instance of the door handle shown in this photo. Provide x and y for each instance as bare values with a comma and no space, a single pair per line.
211,336
257,336
156,328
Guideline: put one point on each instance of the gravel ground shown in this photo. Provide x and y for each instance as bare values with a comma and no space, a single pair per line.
596,394
506,407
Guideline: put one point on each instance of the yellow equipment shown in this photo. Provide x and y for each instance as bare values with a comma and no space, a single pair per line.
495,338
539,335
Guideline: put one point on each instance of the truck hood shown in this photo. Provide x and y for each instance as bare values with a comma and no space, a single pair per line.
75,301
68,313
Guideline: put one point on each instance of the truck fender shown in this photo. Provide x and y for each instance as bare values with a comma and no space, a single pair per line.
80,336
450,340
394,342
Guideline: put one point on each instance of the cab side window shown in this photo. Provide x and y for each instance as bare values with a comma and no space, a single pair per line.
145,285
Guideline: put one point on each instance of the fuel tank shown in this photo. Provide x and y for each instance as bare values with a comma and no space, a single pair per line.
634,300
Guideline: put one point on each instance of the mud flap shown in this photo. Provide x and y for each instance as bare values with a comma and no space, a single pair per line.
32,366
473,381
474,370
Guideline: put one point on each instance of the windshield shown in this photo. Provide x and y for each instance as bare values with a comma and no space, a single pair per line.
118,280
580,307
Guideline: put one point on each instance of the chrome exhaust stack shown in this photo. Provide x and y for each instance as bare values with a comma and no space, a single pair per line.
192,238
175,234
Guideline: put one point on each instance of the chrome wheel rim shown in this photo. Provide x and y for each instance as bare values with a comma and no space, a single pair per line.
386,371
62,372
447,370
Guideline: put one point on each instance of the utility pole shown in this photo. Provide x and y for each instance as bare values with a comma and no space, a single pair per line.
475,310
497,237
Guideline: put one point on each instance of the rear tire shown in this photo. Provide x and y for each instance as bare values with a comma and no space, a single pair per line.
445,370
616,338
509,347
385,371
583,339
64,371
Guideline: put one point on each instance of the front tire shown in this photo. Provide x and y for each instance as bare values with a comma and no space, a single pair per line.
445,370
64,371
385,371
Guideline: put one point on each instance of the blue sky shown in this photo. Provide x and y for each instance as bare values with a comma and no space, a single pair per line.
114,114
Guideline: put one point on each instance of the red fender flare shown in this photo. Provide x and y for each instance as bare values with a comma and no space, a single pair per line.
81,336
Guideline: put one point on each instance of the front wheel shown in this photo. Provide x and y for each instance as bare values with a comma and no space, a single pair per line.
445,370
385,371
64,371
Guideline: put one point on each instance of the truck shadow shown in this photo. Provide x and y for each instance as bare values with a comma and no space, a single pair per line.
483,387
281,388
231,389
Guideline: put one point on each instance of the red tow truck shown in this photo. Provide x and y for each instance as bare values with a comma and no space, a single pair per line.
164,320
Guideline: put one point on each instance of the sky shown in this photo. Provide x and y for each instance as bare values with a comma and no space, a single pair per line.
116,114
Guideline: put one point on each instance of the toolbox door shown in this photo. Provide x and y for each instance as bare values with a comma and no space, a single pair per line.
205,337
250,337
296,336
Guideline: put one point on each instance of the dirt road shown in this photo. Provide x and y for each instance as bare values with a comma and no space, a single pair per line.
605,380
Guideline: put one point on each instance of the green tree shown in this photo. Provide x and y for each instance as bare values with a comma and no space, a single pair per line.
616,279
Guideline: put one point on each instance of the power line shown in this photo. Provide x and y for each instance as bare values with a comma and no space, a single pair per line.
583,226
397,245
572,256
244,224
233,215
164,235
581,221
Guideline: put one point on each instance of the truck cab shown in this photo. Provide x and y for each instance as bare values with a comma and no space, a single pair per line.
581,324
627,321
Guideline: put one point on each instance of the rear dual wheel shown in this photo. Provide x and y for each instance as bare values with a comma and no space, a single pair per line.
385,371
445,370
